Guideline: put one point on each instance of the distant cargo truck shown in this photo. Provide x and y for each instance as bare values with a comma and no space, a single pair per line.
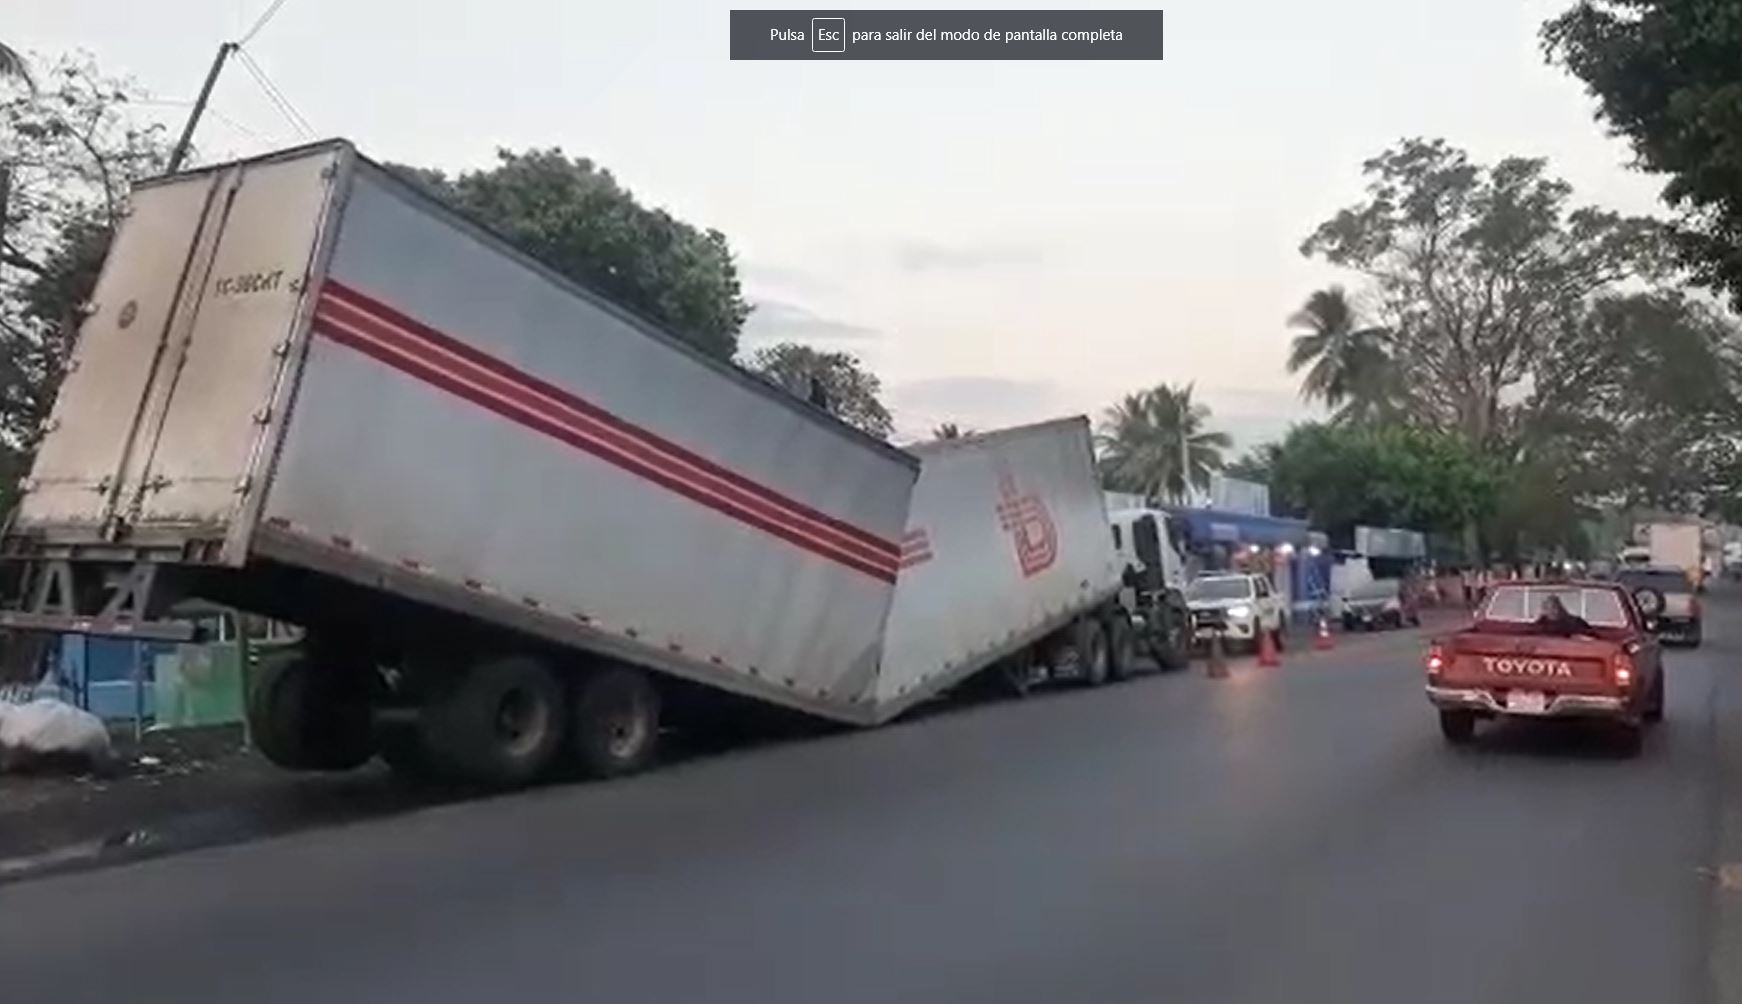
516,520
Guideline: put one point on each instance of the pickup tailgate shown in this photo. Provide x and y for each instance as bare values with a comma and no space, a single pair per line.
1504,662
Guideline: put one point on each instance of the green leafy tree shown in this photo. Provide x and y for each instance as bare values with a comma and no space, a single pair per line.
1667,76
1340,476
836,381
1256,464
950,430
1157,442
1476,269
575,217
1347,364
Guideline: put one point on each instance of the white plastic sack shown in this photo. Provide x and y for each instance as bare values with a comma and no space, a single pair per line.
51,729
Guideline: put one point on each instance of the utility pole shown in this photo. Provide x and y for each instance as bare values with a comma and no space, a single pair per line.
187,133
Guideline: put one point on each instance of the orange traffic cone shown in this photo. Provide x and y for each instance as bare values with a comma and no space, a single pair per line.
1267,653
1217,667
1322,637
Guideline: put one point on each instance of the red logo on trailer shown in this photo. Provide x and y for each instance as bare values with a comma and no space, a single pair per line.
1025,518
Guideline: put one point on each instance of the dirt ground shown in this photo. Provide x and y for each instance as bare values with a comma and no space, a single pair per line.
182,787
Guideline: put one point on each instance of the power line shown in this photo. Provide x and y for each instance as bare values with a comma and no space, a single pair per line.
260,22
273,94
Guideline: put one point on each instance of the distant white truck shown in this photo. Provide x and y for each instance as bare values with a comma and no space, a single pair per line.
517,521
1679,545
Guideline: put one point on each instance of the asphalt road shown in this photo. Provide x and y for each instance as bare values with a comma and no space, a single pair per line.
1291,835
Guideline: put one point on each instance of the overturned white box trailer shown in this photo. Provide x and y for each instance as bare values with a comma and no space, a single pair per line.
308,389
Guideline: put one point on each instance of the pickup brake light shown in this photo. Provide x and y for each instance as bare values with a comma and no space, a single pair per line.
1621,669
1436,659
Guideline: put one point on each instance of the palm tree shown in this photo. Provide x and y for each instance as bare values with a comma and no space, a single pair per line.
1346,364
950,430
12,65
1154,442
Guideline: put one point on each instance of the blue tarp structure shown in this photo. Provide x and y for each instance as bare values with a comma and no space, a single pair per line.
1204,527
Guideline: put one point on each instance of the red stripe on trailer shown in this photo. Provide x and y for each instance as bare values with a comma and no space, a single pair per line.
335,290
460,375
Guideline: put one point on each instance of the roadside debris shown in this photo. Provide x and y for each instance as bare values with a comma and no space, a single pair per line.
51,735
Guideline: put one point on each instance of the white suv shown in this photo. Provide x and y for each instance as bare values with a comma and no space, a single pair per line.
1241,606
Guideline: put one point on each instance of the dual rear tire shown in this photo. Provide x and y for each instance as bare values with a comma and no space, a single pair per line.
499,722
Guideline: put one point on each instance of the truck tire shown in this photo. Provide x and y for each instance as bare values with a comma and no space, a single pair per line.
305,715
497,723
1459,727
1094,655
1173,649
1121,647
614,722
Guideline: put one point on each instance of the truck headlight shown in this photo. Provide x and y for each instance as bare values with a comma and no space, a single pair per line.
1240,612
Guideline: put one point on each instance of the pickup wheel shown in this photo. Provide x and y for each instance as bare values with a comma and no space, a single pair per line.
1094,659
497,723
307,715
1459,727
1654,707
1121,647
615,727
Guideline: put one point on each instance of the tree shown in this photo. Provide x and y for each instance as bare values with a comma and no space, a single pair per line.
1476,268
850,391
1667,78
950,430
1340,476
1256,464
574,216
14,65
74,151
1347,364
1155,442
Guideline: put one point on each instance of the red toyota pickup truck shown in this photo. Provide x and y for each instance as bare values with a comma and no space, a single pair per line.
1552,650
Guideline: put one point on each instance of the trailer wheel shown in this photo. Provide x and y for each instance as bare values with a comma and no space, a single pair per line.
1121,647
306,715
1094,658
615,727
498,722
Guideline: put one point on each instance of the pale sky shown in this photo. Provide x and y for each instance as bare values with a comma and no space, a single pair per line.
1001,242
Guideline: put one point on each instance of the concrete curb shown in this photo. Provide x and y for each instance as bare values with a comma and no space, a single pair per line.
1724,962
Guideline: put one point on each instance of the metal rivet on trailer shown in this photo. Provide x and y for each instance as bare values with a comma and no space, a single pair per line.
531,601
474,584
716,660
412,563
282,349
755,672
87,308
344,542
243,484
583,618
631,632
263,416
674,646
791,682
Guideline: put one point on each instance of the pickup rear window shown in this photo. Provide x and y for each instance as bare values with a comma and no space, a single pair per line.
1523,604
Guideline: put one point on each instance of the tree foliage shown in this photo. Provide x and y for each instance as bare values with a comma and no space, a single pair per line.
1157,442
1669,79
849,390
573,215
1348,364
1341,476
1476,269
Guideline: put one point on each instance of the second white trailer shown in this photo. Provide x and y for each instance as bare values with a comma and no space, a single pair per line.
1007,557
